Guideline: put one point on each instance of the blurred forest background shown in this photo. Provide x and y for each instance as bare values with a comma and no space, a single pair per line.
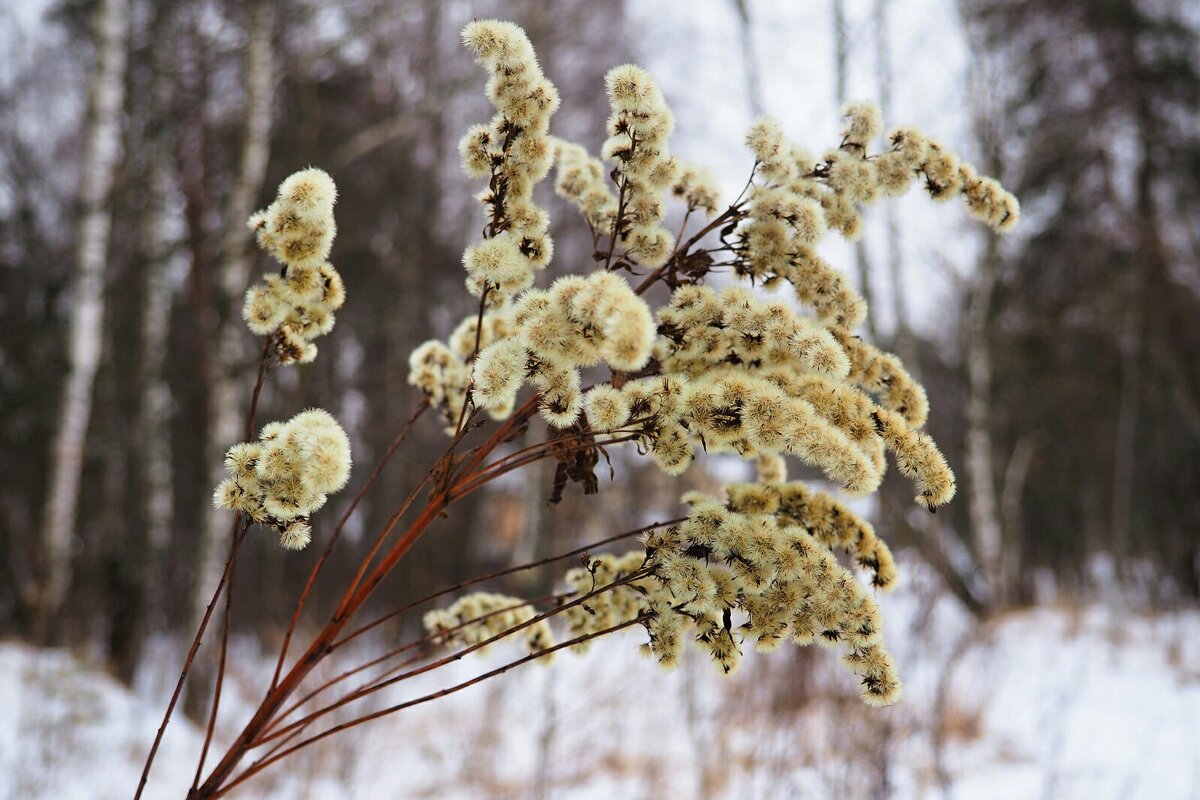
136,136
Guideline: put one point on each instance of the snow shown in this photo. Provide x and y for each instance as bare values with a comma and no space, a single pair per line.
1051,702
1089,703
68,731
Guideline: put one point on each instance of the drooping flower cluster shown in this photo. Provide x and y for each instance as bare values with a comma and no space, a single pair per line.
284,477
296,305
755,378
750,569
759,567
723,370
799,197
514,152
478,617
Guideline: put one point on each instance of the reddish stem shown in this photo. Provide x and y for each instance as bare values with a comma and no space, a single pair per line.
259,766
187,665
225,626
352,601
337,532
457,655
235,544
499,574
429,638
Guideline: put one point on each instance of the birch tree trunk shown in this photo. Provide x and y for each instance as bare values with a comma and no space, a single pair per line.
229,384
983,495
982,504
754,93
107,97
902,335
841,56
156,470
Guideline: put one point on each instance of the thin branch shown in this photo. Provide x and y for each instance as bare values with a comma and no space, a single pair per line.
342,609
358,591
511,463
462,413
457,655
621,186
500,574
225,627
443,464
263,366
262,764
337,532
683,227
427,639
571,435
683,249
187,664
502,434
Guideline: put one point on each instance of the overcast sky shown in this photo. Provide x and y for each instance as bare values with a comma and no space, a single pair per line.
693,49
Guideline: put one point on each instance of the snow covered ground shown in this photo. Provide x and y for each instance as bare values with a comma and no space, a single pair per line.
1049,703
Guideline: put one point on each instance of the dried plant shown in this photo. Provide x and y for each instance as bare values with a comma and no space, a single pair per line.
710,369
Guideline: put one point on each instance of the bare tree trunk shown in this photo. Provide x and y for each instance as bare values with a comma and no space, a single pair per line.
87,312
1015,476
927,535
1151,261
1129,344
228,378
229,382
902,335
754,94
982,504
841,56
153,414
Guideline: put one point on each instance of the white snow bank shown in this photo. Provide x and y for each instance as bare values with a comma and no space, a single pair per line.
1055,703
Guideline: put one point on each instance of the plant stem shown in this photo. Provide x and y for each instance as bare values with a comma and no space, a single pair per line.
187,664
236,541
501,573
337,531
352,600
258,766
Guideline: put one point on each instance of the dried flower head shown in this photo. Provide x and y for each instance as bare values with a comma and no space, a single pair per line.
296,306
515,152
286,476
707,369
484,616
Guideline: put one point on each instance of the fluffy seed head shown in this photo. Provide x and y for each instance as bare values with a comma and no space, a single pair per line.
765,139
324,450
606,408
